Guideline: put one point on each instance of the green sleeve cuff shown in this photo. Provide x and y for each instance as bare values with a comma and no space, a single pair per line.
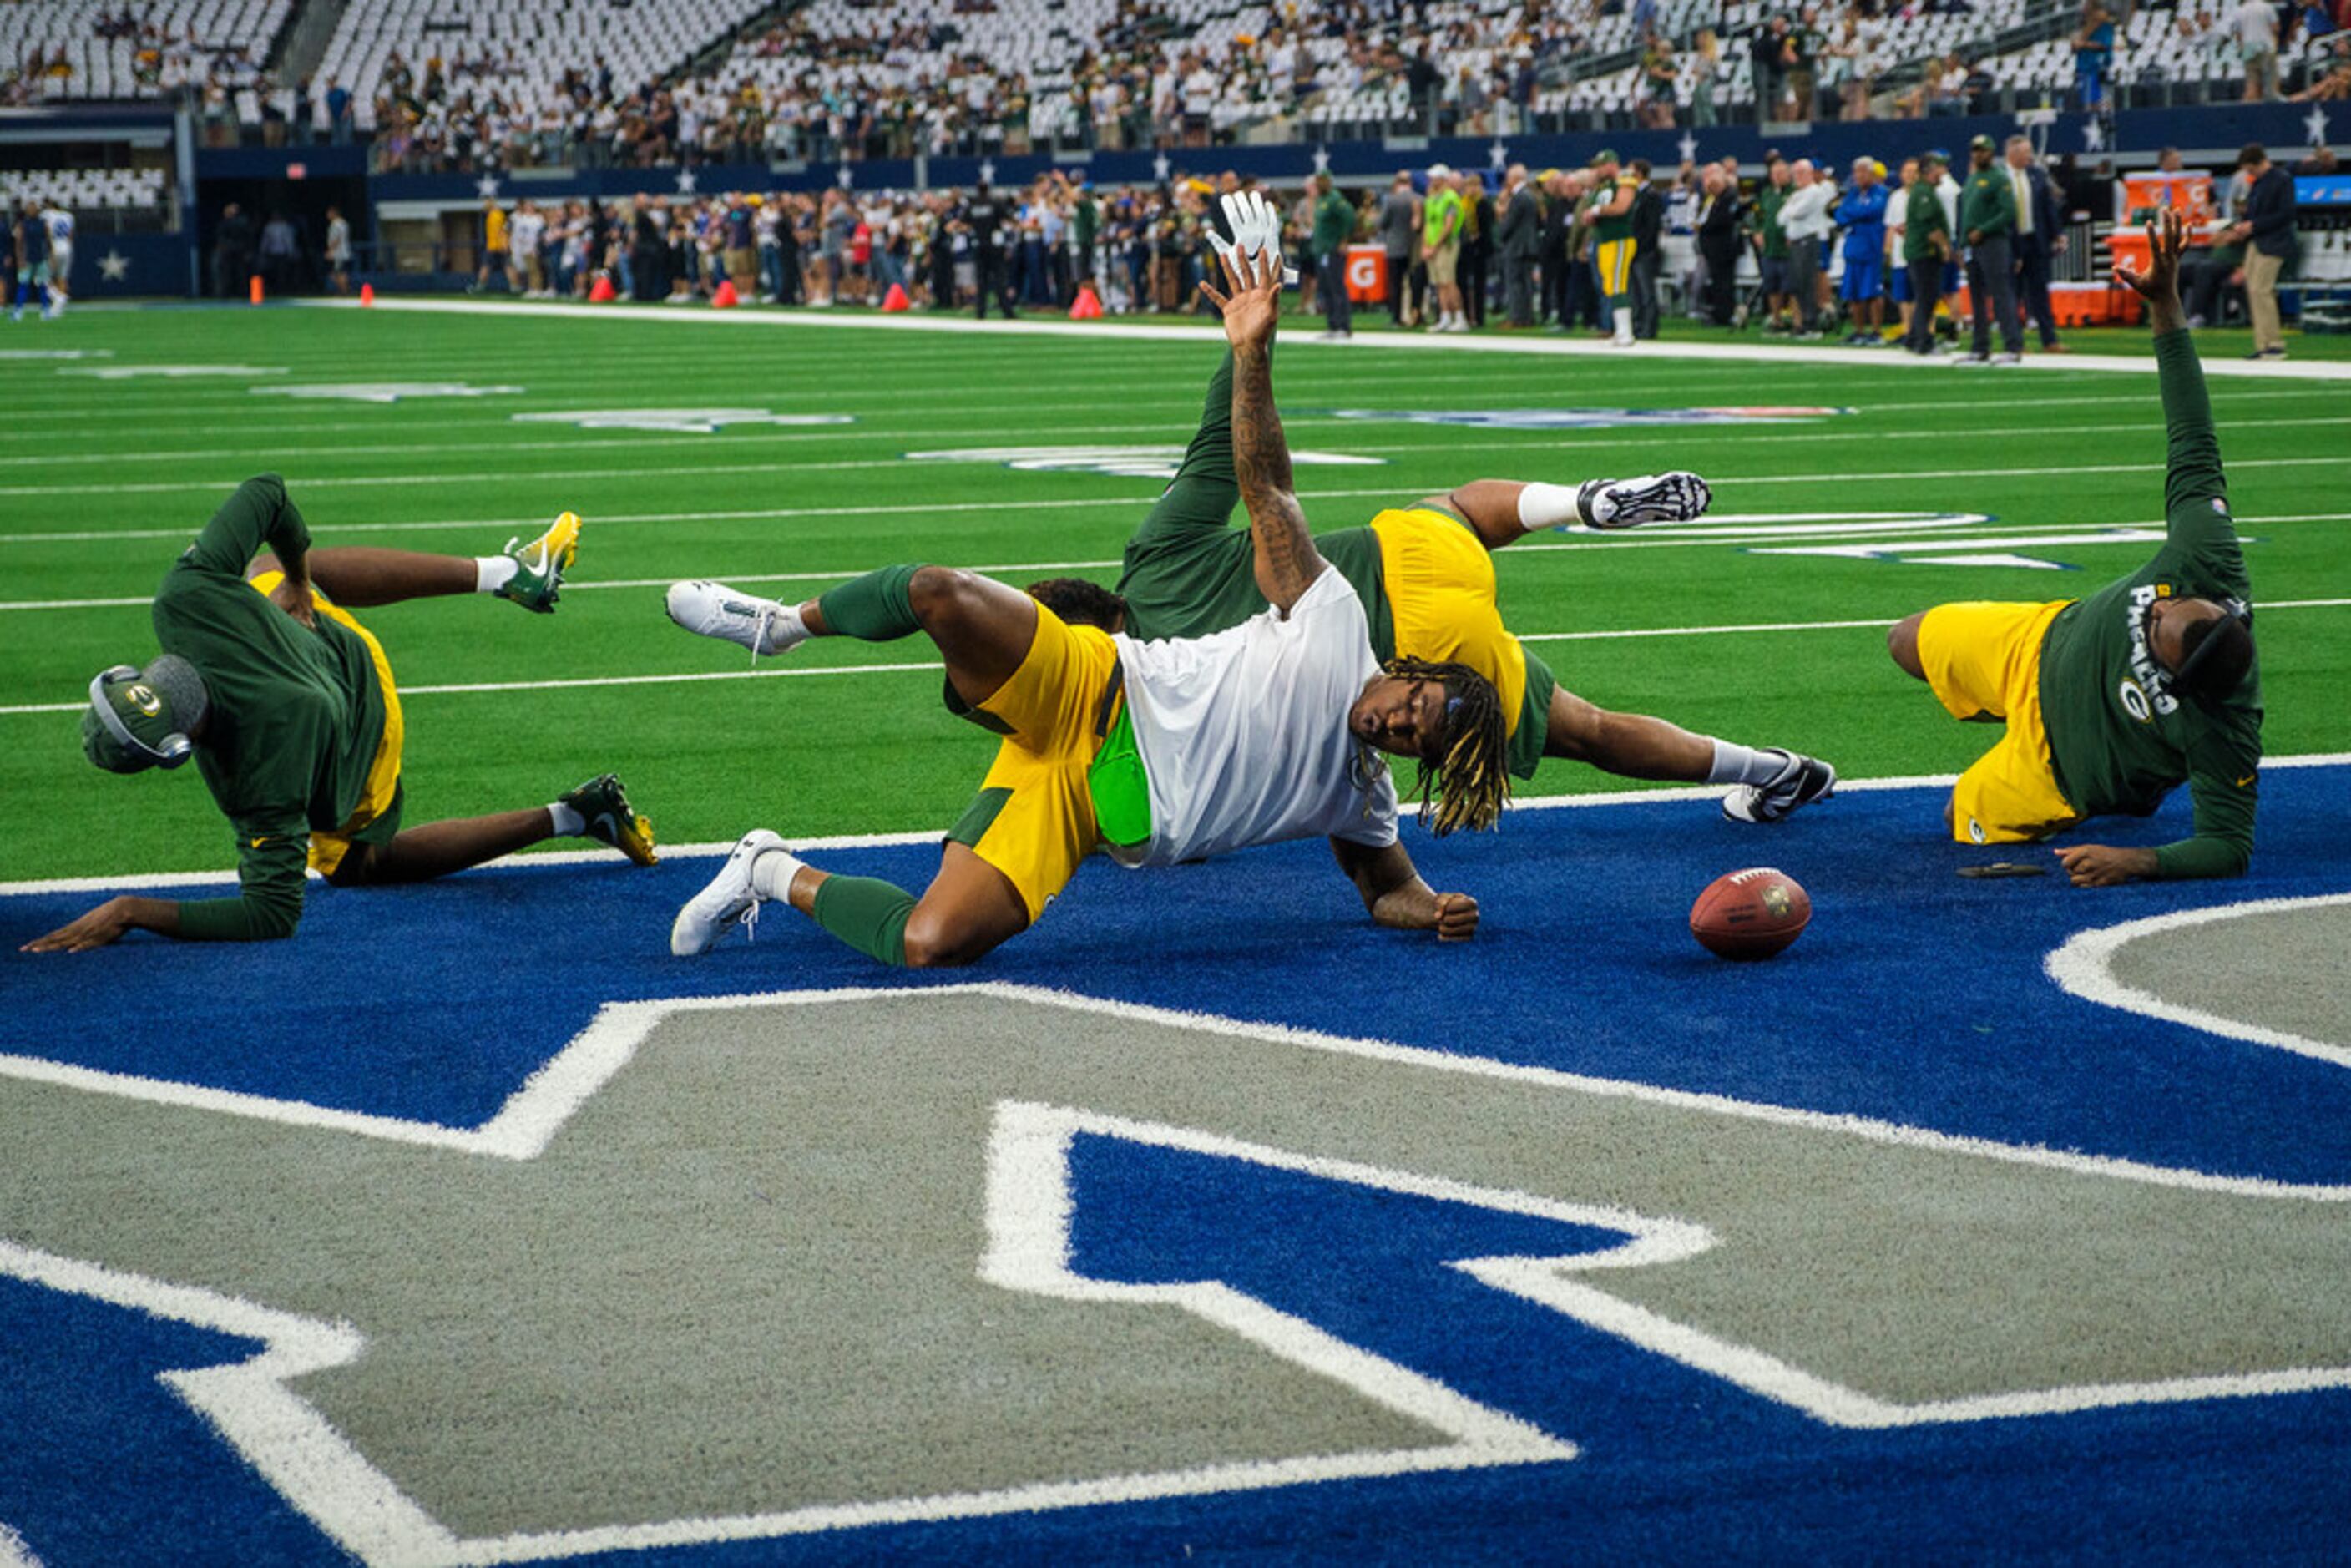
239,919
2190,859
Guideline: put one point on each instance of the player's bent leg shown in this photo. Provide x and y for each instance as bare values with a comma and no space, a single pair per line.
598,810
1768,783
361,576
970,909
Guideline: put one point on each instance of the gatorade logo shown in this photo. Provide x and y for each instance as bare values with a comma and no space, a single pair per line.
144,699
2134,700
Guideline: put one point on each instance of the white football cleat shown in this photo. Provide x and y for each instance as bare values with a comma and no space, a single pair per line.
710,609
1675,497
1804,780
729,900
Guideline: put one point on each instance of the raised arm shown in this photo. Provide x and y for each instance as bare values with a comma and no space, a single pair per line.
259,514
2195,494
1287,562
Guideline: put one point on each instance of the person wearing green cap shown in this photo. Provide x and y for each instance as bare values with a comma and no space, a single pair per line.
1988,221
288,706
1610,209
1925,250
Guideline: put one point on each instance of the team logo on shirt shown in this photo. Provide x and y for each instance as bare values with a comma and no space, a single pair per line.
1121,462
2148,679
2135,700
1591,418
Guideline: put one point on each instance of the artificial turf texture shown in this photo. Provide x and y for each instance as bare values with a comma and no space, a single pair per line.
104,478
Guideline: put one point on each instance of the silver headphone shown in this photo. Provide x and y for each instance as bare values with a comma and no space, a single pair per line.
176,748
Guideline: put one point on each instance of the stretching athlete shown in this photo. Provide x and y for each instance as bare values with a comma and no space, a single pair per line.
2114,701
1426,575
1160,752
288,705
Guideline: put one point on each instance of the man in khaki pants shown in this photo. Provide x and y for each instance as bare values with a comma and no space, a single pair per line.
2266,231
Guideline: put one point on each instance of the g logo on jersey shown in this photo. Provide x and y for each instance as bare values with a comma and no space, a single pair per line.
2134,700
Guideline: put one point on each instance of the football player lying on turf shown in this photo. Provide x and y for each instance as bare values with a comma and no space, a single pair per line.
2113,701
286,703
1161,752
1425,576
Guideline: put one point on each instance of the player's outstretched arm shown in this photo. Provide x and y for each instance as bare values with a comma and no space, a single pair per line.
1396,896
1287,562
2193,479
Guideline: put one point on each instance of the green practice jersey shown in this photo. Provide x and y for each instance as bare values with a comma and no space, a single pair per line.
295,714
1334,224
1607,229
2119,738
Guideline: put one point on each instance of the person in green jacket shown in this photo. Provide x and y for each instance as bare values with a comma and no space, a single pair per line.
1771,243
1926,251
2114,701
288,706
1335,225
1988,221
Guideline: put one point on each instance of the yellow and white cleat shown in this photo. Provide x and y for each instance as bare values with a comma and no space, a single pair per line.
540,564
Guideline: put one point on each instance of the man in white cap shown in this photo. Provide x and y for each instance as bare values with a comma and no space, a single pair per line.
1440,247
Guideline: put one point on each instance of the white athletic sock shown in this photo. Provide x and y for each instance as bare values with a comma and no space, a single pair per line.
1735,764
786,629
772,873
1542,506
492,572
568,823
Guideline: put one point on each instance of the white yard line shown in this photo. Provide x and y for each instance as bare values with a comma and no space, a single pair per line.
585,683
573,476
1560,348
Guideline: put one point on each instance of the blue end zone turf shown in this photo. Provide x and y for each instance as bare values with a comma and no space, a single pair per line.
1916,996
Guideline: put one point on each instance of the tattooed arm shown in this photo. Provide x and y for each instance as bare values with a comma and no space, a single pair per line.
1287,562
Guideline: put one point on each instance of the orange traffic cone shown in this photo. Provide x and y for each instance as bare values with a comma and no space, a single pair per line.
1088,306
895,300
367,293
254,291
601,291
724,298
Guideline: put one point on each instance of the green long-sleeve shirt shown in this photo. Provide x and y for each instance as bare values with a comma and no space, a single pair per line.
1334,224
1922,221
1987,205
2119,738
294,714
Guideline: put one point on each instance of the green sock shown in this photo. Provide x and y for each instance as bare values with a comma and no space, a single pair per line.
866,912
876,608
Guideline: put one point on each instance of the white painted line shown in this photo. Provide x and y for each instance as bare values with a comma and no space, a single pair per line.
321,1473
2084,966
1563,347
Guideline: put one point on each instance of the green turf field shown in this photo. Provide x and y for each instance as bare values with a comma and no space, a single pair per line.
102,480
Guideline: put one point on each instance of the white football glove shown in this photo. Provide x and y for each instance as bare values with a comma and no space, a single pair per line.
1257,230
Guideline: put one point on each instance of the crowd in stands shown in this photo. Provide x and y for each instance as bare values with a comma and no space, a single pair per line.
852,80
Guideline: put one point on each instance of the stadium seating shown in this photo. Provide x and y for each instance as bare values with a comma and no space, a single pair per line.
502,48
86,190
188,36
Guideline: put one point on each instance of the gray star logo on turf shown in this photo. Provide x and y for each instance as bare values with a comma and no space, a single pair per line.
114,266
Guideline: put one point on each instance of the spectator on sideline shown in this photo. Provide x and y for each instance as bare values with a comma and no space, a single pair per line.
1399,237
1928,248
1519,237
1988,223
1556,256
1335,225
1718,242
1476,248
339,250
1648,249
2266,231
1862,215
1440,247
2039,238
1897,264
1770,241
1805,217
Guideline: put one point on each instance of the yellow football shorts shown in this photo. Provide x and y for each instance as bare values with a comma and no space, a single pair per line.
1980,659
1034,818
1439,580
1613,260
328,849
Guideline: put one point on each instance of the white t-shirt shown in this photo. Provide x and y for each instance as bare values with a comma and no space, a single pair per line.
2256,24
522,234
1244,733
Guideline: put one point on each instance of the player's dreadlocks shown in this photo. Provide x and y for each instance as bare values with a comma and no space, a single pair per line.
1465,784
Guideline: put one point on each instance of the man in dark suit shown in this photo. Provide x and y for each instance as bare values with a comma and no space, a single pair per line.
1558,220
1648,216
1518,237
2040,235
1717,242
2266,231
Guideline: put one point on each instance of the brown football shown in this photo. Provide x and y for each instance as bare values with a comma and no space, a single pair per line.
1751,914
